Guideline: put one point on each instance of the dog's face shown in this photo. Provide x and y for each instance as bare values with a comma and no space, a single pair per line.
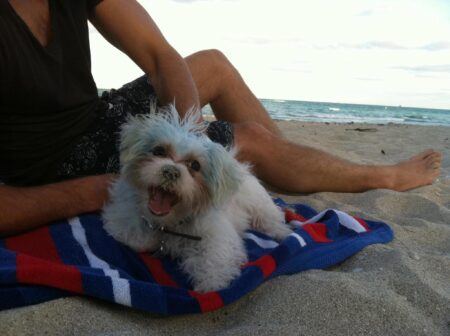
177,171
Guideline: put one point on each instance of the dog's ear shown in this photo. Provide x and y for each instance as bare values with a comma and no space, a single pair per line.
131,139
223,174
140,133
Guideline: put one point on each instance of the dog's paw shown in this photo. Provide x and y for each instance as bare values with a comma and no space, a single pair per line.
213,282
270,220
205,287
279,231
216,268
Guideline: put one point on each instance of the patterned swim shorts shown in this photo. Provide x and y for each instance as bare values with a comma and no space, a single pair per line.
96,152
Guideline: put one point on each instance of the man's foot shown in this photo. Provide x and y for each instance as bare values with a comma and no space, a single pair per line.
420,170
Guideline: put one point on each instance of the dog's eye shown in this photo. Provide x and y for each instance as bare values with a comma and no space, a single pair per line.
195,165
159,151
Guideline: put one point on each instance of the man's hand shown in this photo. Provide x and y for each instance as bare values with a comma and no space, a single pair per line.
126,25
26,208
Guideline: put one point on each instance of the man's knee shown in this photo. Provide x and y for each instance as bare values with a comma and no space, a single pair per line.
218,62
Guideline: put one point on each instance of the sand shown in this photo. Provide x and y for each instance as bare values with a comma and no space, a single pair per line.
402,288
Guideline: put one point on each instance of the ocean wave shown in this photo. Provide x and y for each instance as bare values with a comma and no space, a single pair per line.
347,117
337,118
346,113
418,117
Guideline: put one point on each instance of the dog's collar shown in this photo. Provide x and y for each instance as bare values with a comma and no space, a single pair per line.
163,229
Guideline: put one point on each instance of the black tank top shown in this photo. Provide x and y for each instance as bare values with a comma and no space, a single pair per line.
48,96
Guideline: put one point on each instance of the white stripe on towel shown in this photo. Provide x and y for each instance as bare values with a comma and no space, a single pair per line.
300,240
344,218
264,243
121,287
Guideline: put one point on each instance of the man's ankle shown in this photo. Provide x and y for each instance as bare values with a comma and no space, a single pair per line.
380,177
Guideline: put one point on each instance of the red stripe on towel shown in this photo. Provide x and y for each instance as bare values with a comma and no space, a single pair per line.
38,243
156,269
290,216
37,271
363,223
208,301
38,262
317,231
266,263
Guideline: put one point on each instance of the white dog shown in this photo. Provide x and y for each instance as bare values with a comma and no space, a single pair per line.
188,197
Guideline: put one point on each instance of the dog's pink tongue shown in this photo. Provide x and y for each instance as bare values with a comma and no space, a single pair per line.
161,202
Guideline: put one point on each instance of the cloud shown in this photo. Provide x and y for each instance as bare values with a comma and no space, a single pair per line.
294,66
251,40
261,40
436,46
379,45
387,45
368,12
368,79
378,8
190,1
425,68
364,45
424,75
291,69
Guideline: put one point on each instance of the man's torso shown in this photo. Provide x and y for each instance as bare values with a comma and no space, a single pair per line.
36,15
47,93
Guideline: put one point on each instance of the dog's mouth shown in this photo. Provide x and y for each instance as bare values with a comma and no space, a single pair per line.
161,201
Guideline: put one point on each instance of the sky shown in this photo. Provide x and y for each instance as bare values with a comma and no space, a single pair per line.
384,52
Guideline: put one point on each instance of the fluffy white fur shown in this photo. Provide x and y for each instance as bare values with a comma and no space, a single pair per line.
217,203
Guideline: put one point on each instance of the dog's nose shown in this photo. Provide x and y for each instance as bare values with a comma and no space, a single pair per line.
171,173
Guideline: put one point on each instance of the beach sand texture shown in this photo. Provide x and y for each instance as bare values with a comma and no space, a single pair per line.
402,288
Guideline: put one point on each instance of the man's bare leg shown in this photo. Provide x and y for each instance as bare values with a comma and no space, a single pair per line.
286,165
299,168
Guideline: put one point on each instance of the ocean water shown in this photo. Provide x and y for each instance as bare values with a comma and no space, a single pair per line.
345,113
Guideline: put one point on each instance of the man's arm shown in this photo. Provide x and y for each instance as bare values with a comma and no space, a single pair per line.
126,25
26,208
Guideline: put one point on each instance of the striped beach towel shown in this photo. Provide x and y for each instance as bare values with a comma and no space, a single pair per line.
77,257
